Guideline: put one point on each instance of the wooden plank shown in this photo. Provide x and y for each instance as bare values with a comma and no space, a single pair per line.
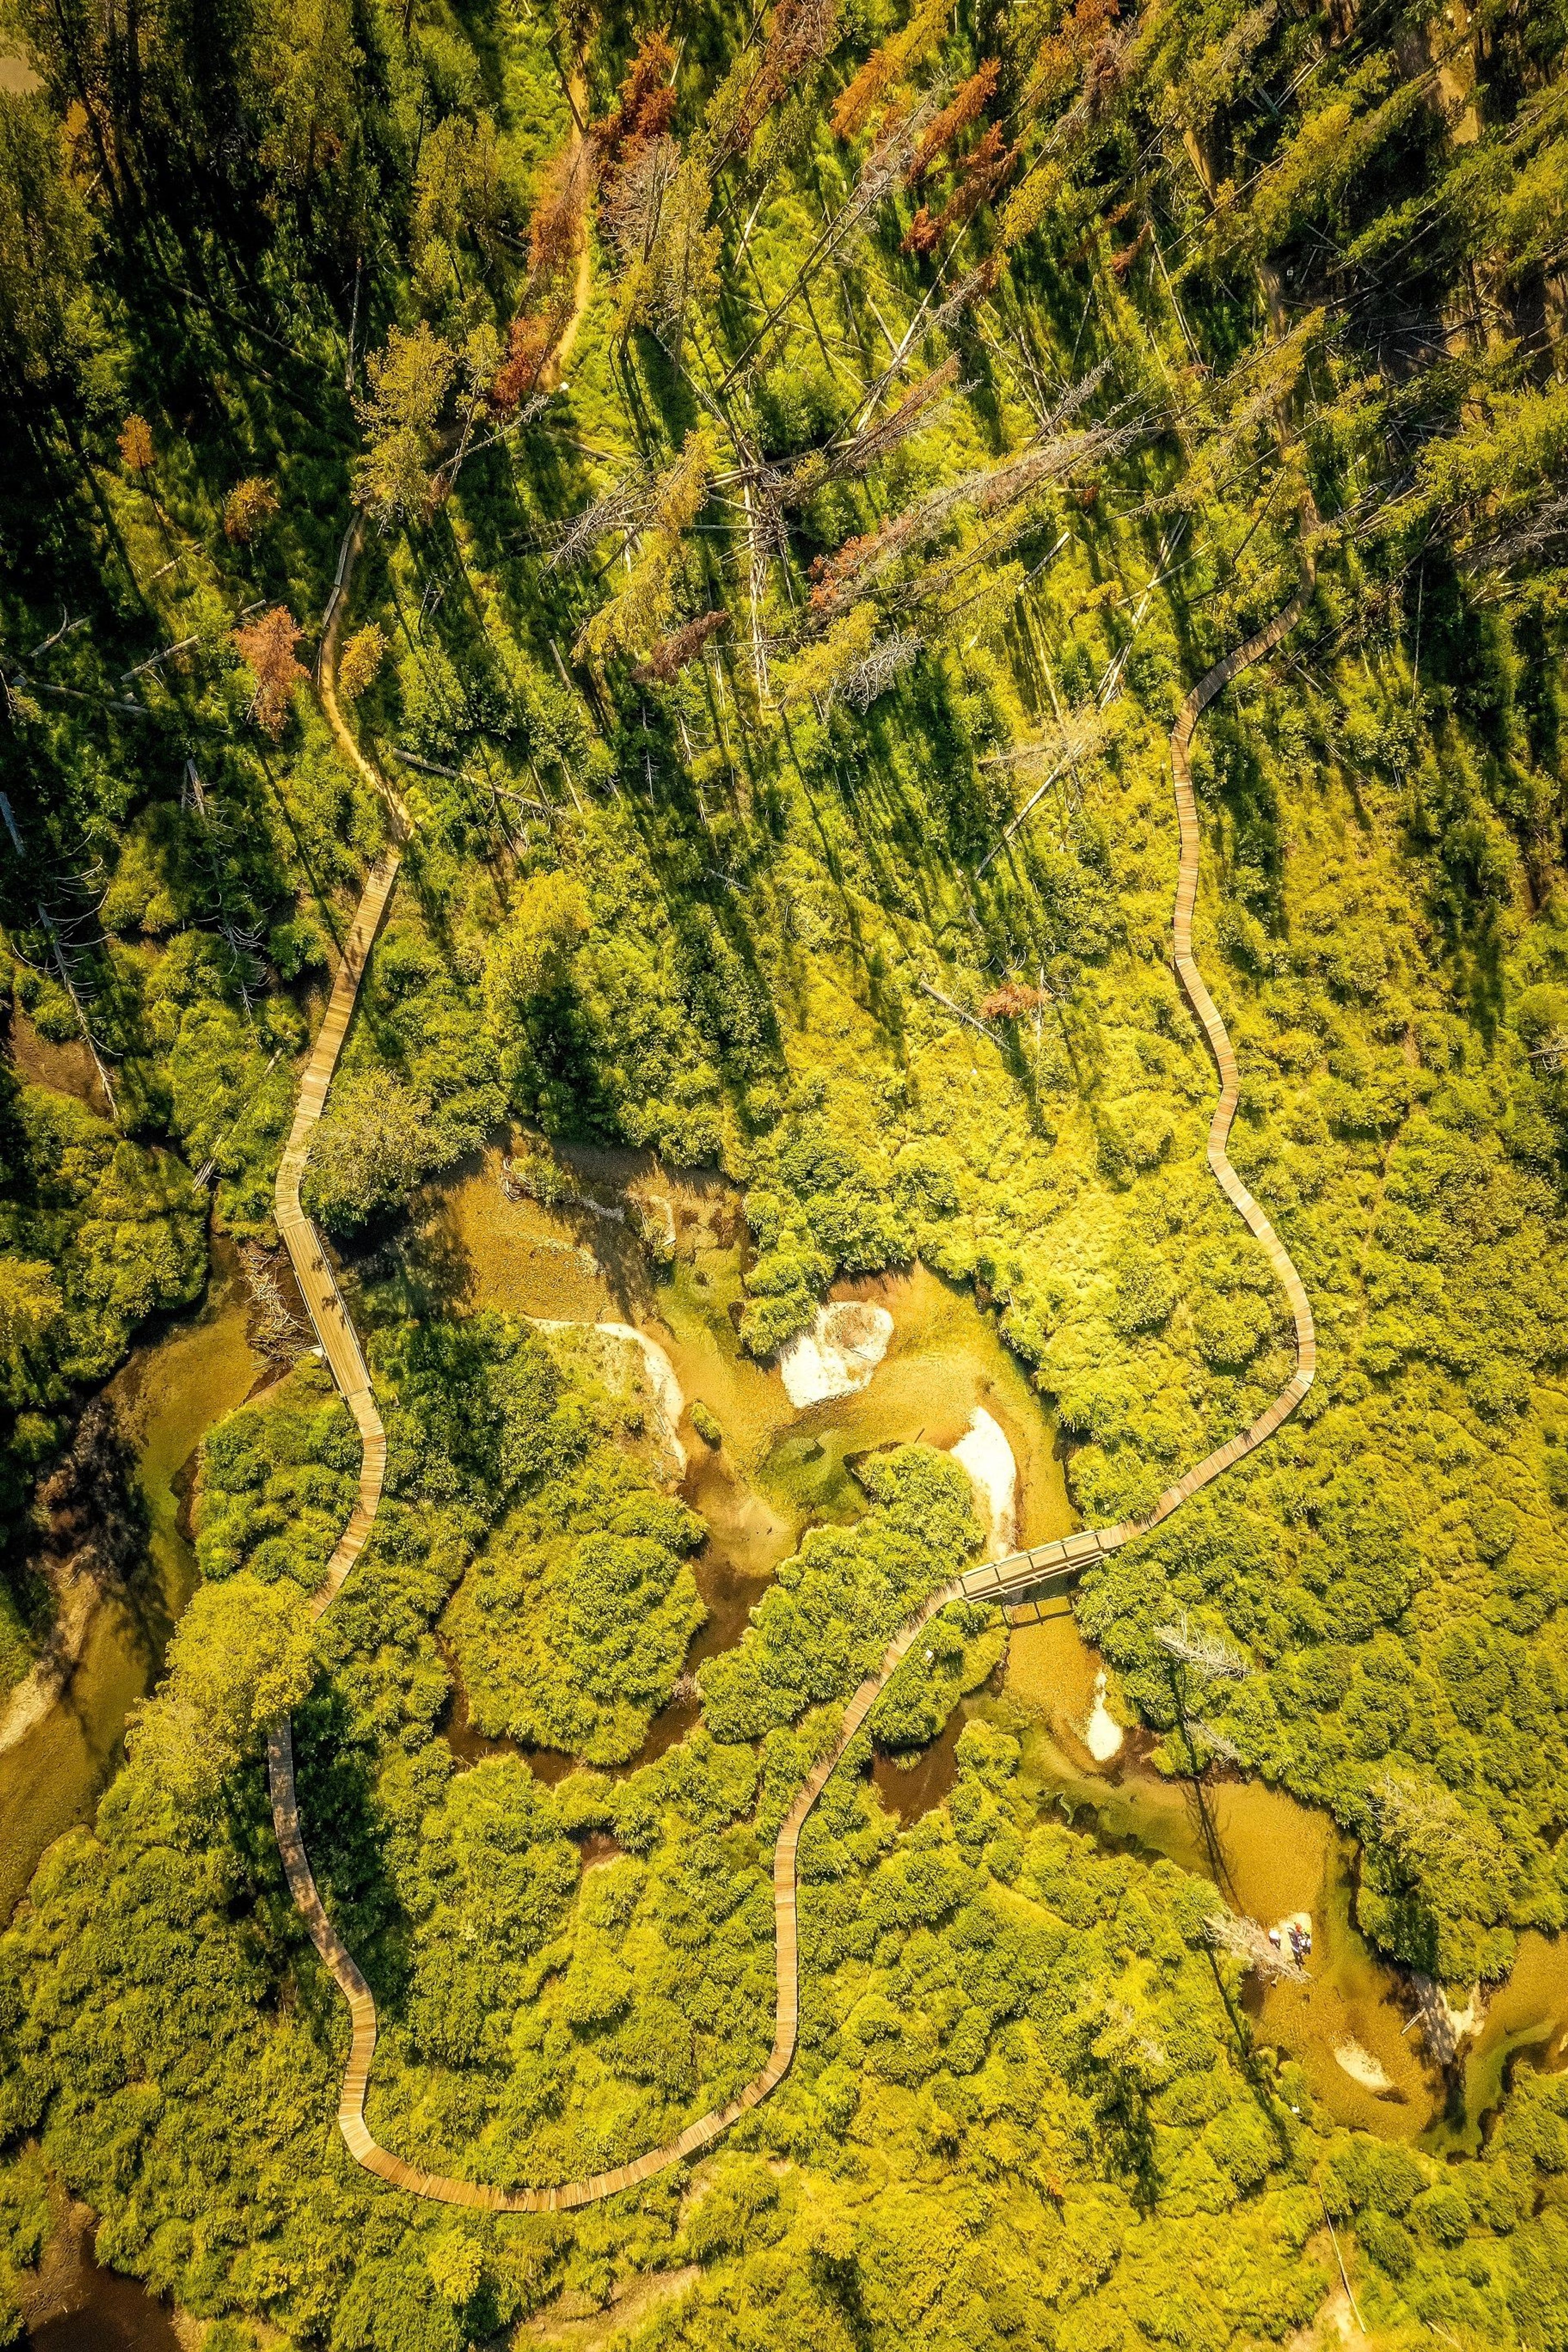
991,1580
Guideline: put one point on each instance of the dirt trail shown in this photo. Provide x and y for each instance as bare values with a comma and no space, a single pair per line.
554,367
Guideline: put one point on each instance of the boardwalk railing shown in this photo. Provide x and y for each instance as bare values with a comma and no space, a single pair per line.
995,1580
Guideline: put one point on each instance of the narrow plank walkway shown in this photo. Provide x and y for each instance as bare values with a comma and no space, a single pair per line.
318,1284
995,1580
1020,1570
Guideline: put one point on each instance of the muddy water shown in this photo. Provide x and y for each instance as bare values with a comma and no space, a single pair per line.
169,1393
776,1469
1269,1856
167,1396
912,1784
1351,2026
75,2306
1526,2025
787,1469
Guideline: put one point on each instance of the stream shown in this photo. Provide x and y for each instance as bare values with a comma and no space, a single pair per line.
171,1389
174,1385
780,1469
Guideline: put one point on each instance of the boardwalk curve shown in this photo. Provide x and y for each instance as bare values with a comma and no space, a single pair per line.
995,1580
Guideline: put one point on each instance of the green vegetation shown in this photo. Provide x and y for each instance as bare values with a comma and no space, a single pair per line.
239,1659
278,1484
794,511
571,1625
707,1425
1020,2111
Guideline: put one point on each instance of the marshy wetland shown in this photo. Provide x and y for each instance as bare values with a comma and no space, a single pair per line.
178,1383
781,1467
653,1263
938,1369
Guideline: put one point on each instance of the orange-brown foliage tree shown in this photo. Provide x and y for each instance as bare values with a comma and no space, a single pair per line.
265,646
831,574
1071,49
1012,1000
966,103
885,69
980,174
800,36
136,446
556,231
528,348
647,106
672,654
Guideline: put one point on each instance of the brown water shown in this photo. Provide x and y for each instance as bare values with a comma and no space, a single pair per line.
1352,2025
912,1785
778,1471
1526,2025
167,1395
1268,1856
75,2306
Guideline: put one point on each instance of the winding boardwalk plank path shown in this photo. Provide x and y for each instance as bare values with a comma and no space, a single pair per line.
995,1580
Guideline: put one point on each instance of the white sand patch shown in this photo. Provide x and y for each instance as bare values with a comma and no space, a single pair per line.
1102,1735
1464,2022
25,1708
837,1355
667,1390
985,1452
1361,2066
669,1398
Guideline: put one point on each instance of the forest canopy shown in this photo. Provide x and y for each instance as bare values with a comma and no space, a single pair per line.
732,504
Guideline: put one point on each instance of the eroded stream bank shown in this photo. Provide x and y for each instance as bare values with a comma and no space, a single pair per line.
164,1399
781,1467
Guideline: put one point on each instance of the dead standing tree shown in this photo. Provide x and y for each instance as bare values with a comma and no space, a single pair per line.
1197,1651
882,669
1204,1652
991,492
61,957
883,171
1061,753
242,938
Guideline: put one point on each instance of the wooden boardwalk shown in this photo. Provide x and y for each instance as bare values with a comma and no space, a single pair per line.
318,1286
998,1580
1014,1575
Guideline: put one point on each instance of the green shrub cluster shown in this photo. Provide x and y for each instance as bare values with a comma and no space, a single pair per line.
742,898
572,1625
278,1481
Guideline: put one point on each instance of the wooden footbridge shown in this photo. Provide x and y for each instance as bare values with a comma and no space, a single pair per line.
1004,1580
